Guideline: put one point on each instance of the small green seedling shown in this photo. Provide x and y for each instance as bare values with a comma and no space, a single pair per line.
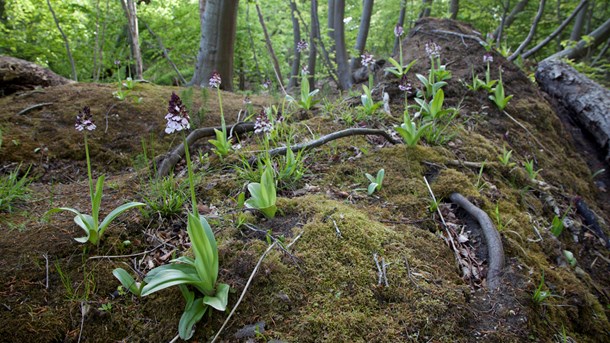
570,258
263,194
399,70
376,182
505,158
369,106
539,295
529,169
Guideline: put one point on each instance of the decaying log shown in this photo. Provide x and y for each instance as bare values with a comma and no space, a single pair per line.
18,75
587,101
495,249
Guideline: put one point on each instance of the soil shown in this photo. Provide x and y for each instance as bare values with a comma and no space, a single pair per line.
324,286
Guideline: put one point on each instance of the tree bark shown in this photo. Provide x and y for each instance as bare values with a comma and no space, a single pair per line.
579,23
97,41
129,8
66,43
454,7
315,28
19,75
600,35
500,29
586,100
345,77
331,23
401,22
511,16
530,35
296,35
426,8
556,32
363,32
276,63
218,28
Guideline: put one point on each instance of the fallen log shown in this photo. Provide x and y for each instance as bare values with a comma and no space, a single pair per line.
586,101
18,75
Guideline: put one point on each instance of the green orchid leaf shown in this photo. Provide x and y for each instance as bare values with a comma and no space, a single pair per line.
115,213
171,275
193,312
372,187
127,281
220,300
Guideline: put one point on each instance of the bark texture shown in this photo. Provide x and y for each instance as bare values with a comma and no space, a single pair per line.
296,36
587,101
218,27
19,75
129,7
363,32
600,35
345,77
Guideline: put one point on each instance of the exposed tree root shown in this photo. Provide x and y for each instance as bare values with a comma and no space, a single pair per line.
27,109
176,155
495,250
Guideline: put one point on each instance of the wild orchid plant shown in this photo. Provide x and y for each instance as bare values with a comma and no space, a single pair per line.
306,101
498,96
437,75
399,69
221,143
410,132
263,194
90,223
376,181
201,272
488,84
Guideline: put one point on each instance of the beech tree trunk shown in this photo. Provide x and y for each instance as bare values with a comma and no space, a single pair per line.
586,100
313,50
218,28
600,35
129,8
331,23
66,43
345,77
296,35
363,32
454,7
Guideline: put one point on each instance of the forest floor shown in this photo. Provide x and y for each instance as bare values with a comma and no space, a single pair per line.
324,286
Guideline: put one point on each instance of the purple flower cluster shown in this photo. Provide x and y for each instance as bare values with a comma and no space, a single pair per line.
84,120
433,49
305,70
177,116
302,45
262,124
398,30
215,80
267,84
405,85
488,58
367,59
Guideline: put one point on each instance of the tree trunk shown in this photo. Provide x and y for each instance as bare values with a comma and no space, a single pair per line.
600,35
96,47
426,8
66,43
129,7
218,28
579,23
530,35
315,28
556,32
258,69
331,23
454,7
401,22
296,35
586,100
363,32
345,77
500,29
511,16
276,63
19,75
100,65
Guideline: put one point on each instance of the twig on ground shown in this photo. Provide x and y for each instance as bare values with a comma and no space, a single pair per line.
294,241
107,113
176,155
46,259
260,260
495,250
84,308
461,35
131,255
337,229
27,109
525,128
409,273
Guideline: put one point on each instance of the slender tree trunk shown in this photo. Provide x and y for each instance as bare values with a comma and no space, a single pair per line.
102,43
315,27
345,76
331,23
323,51
454,7
600,35
276,63
97,41
129,7
556,32
216,44
530,35
559,21
500,29
66,43
426,8
363,32
579,23
165,53
401,22
508,20
258,69
296,35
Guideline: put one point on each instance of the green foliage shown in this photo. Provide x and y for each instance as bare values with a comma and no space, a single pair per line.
505,157
263,194
430,87
410,132
540,295
306,101
398,69
498,96
528,165
369,106
164,196
13,188
376,181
